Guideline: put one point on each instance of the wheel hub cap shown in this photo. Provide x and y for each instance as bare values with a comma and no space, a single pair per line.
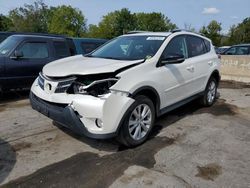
140,121
211,92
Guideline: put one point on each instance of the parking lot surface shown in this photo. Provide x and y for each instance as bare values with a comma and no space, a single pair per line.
189,147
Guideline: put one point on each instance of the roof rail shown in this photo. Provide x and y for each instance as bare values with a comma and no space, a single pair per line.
133,32
179,30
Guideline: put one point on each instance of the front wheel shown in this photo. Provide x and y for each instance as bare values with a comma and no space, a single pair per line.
138,122
209,96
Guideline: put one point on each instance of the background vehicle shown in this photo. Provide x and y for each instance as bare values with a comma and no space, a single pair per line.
87,45
220,50
23,56
4,34
120,88
240,49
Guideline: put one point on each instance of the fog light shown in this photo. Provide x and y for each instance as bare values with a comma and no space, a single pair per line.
99,123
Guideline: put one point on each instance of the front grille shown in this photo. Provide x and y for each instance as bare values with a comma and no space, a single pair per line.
63,86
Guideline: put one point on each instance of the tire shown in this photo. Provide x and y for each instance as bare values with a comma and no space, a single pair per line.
210,93
135,128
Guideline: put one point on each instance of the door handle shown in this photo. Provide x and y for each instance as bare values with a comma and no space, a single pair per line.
191,68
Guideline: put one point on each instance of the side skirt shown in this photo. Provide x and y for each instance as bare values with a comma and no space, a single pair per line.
179,104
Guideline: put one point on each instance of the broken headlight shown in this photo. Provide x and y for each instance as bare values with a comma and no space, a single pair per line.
95,88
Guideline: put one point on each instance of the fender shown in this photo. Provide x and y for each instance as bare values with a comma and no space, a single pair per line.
152,94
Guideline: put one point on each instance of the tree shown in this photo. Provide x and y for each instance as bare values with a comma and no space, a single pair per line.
240,33
212,31
30,18
154,22
119,22
114,24
5,23
67,20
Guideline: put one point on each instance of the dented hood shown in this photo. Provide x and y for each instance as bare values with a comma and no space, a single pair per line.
80,65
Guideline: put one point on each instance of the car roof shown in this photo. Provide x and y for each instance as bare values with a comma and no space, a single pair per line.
30,33
38,36
165,34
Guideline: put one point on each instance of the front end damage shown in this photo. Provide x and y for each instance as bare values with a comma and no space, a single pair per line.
85,104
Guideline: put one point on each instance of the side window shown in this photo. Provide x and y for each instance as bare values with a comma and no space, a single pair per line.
61,49
89,47
231,51
196,46
242,50
34,50
177,46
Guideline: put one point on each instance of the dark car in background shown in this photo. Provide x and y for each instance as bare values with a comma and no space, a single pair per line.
240,49
220,50
23,56
4,34
87,45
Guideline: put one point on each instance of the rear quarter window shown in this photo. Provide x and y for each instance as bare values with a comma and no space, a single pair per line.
207,45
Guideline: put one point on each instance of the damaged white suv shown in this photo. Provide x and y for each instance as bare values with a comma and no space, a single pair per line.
120,88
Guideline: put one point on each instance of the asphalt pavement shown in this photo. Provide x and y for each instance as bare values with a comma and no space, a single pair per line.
191,146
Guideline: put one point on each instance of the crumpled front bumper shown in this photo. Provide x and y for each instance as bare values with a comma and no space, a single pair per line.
81,112
65,116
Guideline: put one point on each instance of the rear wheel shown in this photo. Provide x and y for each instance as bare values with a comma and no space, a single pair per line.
138,122
209,96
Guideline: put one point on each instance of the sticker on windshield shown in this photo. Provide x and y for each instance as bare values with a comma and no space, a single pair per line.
155,38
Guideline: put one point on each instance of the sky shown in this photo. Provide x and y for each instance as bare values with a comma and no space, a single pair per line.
195,13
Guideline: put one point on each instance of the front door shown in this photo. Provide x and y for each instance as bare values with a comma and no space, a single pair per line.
21,71
176,78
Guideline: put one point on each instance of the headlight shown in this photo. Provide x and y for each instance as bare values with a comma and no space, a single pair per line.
95,88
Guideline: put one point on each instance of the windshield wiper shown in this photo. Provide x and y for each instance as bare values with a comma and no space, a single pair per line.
111,58
87,55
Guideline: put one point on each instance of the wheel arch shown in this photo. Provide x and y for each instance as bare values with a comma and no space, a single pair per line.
215,74
151,93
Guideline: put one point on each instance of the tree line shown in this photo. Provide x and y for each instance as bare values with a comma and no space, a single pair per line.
66,20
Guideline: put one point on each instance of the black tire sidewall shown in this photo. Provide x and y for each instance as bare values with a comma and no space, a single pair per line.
127,139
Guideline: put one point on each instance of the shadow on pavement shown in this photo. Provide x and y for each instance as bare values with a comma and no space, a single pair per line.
161,122
7,159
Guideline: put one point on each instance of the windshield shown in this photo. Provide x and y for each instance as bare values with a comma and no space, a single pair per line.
7,45
130,48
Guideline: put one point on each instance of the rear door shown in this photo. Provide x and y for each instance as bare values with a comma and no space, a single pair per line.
23,70
203,61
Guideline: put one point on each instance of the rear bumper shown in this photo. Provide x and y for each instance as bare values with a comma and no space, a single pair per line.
66,116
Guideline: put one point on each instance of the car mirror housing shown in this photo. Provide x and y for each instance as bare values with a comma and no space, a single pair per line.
17,54
172,59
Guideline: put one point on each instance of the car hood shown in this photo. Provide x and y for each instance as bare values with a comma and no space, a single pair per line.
80,65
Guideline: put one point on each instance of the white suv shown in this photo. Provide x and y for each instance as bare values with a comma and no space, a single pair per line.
120,88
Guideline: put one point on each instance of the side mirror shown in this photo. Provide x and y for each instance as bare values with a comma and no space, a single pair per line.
17,54
172,59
